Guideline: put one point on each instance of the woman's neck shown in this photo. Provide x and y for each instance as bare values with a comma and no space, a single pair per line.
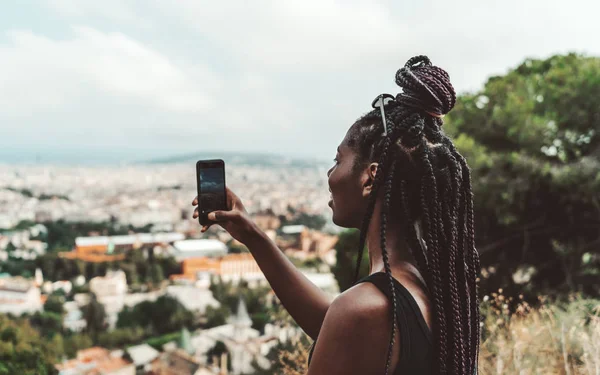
399,255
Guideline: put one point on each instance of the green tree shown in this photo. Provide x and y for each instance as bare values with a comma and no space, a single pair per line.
54,304
49,324
164,315
216,316
95,317
76,342
532,139
346,256
156,274
22,351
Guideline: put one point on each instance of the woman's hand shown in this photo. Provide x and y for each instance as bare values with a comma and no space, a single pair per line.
236,220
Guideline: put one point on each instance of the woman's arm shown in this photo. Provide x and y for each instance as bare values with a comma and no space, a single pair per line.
304,301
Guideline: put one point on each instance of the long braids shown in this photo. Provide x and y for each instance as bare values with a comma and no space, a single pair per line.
435,176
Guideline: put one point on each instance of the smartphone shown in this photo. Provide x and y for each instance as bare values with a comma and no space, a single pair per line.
210,179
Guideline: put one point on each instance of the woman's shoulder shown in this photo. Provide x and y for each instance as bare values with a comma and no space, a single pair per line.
358,325
362,303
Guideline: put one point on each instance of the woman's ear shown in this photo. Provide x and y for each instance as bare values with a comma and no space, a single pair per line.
369,178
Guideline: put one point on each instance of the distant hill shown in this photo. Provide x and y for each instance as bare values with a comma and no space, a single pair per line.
258,159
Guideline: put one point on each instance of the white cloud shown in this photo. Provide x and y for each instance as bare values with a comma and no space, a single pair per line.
298,35
37,72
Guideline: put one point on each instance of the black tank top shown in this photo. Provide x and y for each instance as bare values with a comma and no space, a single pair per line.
416,340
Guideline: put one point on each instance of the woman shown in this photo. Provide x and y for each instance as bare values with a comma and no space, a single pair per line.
402,182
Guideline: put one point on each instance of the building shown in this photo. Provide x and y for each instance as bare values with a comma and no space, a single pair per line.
178,362
113,248
97,361
244,343
231,267
73,319
19,295
110,290
187,249
193,298
142,357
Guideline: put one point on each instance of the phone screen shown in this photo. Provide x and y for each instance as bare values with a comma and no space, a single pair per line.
211,187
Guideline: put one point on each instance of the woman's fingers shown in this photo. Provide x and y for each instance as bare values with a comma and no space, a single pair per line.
195,214
195,201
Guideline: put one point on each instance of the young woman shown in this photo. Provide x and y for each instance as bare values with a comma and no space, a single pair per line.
399,179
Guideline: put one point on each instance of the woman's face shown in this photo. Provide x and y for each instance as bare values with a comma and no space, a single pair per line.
349,187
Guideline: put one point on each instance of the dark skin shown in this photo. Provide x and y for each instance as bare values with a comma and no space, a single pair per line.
354,328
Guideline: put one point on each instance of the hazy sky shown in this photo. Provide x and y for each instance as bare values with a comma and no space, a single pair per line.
113,79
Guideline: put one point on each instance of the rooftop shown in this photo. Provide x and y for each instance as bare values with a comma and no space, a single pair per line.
143,238
142,354
199,245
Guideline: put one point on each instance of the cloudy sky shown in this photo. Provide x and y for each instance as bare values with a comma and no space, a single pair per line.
127,80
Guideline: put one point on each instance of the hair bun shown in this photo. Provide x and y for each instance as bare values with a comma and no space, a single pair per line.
425,86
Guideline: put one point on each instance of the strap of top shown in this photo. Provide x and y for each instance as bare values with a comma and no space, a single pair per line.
381,281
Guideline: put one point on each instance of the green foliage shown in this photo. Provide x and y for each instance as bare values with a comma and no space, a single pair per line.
54,304
95,317
228,295
158,342
216,316
346,257
48,324
532,139
164,315
76,342
22,351
121,337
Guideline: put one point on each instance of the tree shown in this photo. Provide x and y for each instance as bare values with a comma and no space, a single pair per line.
216,316
49,324
95,317
22,351
164,315
156,274
532,139
346,256
54,304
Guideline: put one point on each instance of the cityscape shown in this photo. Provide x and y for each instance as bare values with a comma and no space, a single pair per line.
86,252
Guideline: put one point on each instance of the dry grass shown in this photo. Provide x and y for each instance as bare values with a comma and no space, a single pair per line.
552,339
562,339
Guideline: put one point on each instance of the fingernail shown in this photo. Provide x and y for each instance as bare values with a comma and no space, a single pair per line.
211,216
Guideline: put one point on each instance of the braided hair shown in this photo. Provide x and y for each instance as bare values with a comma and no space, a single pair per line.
427,185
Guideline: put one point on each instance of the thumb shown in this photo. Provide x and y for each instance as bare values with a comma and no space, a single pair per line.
223,216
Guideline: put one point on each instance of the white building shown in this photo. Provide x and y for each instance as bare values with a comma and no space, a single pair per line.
142,357
19,295
193,298
325,281
135,240
198,248
73,319
110,291
51,287
243,342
